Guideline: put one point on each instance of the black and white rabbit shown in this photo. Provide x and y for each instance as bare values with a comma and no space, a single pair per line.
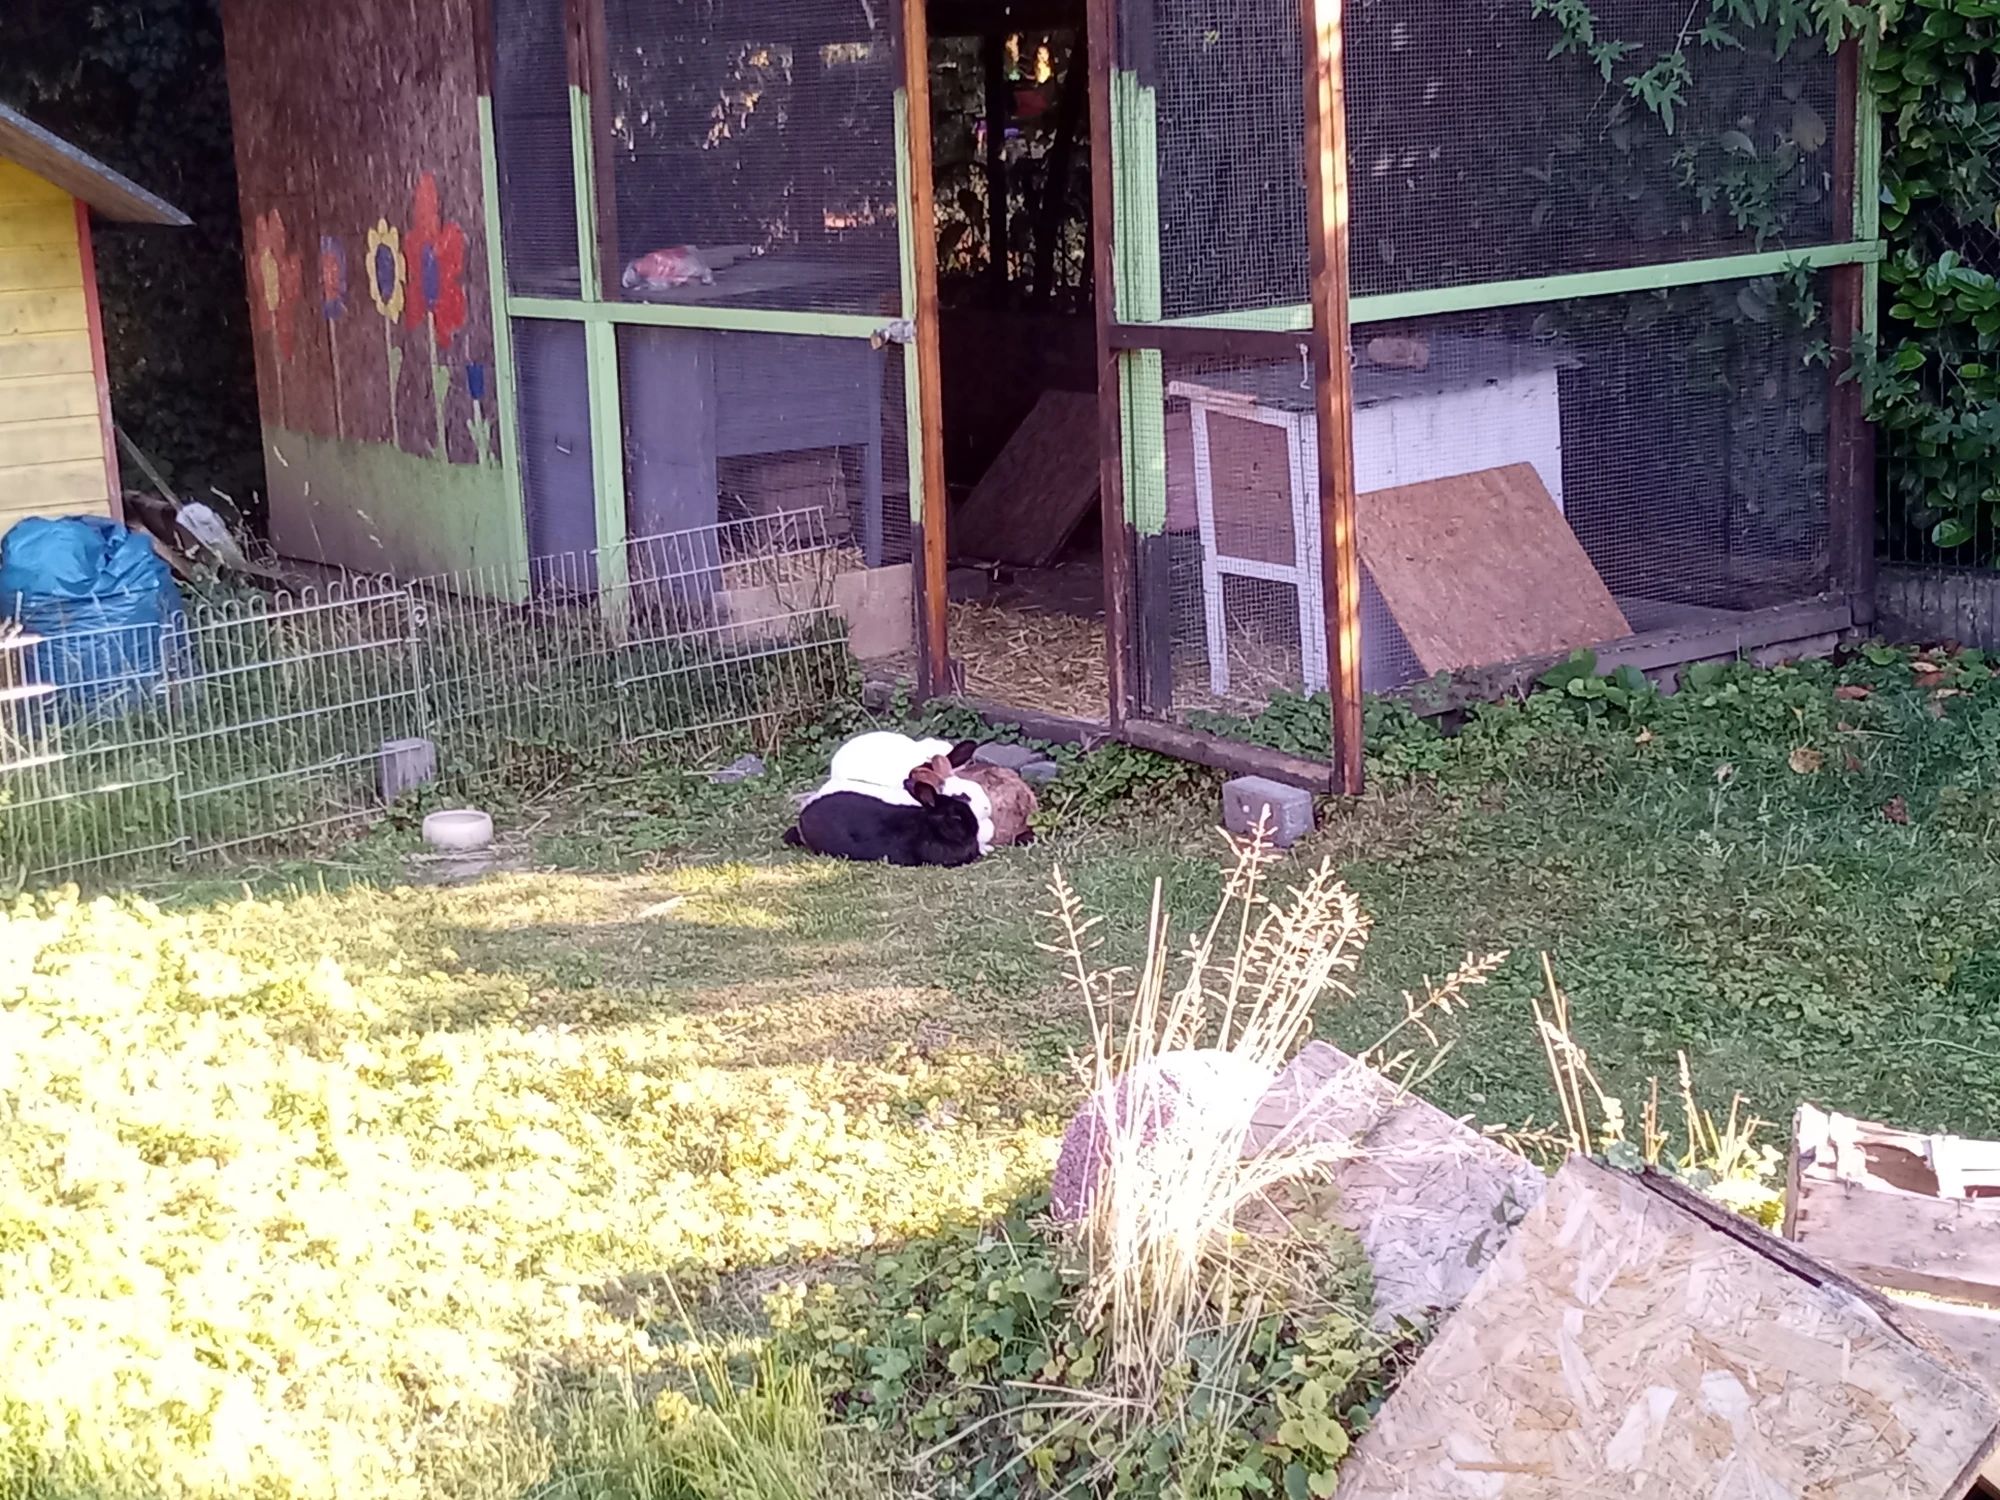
935,829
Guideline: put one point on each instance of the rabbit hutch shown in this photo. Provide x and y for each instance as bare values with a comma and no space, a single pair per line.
1022,309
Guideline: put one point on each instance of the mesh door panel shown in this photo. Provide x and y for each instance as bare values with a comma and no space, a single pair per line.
762,134
552,371
1682,434
531,125
1474,153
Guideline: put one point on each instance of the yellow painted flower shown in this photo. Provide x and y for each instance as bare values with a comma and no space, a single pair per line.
387,270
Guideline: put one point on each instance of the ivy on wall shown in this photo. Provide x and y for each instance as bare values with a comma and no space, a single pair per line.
140,85
1934,383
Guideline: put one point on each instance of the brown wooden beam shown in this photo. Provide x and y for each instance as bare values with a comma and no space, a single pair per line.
934,674
1119,543
1326,204
1851,496
1182,342
1232,756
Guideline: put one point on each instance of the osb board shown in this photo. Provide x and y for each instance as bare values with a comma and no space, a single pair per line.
1038,490
1482,568
1632,1339
1250,472
1972,1333
1431,1200
1864,1197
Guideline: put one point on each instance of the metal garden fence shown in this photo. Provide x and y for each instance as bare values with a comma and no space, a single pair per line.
264,723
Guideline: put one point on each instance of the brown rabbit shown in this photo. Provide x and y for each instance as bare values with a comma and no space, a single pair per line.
1011,798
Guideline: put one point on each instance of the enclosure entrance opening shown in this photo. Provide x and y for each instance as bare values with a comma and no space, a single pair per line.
1012,170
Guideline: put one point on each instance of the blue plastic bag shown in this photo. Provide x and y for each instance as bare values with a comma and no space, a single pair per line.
100,601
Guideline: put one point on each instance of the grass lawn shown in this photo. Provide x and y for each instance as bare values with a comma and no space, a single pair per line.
345,1182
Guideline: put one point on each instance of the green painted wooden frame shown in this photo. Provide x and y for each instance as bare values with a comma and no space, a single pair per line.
505,416
1478,296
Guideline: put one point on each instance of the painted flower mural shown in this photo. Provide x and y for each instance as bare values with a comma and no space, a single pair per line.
388,276
388,272
332,277
436,249
479,424
278,286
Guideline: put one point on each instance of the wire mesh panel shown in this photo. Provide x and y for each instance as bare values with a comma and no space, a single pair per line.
1532,481
532,138
278,728
264,724
86,756
754,149
1495,141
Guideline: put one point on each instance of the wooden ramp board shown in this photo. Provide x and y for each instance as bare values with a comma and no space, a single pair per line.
1030,502
1633,1338
1481,568
1431,1200
1896,1209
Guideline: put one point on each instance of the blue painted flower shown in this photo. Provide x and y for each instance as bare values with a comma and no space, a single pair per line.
332,276
475,381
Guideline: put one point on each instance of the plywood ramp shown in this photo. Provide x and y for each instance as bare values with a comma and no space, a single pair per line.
1431,1200
1482,568
1029,503
1633,1339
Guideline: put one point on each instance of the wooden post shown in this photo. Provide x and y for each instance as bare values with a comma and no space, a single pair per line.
993,62
114,489
1100,42
934,674
590,70
1333,395
1851,495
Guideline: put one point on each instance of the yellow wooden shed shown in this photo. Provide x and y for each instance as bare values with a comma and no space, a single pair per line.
58,454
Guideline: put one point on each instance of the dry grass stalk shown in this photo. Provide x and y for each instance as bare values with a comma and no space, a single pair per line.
1726,1160
1168,1261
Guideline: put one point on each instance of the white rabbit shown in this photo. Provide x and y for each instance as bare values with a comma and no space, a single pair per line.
878,764
884,758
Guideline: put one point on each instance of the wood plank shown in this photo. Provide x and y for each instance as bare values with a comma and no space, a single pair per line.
44,312
19,185
40,268
9,514
45,354
1631,1339
100,367
1482,568
36,398
35,489
38,224
1973,1333
51,440
1030,502
1866,1199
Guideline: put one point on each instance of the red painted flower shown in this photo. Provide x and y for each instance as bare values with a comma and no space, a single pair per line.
277,275
436,250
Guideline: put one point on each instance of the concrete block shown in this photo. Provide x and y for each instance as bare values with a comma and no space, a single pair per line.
1040,772
1291,809
1013,757
404,765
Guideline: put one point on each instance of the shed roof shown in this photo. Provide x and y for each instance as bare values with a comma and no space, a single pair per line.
80,174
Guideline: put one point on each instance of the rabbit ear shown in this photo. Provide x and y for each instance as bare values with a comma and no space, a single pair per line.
923,789
962,752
